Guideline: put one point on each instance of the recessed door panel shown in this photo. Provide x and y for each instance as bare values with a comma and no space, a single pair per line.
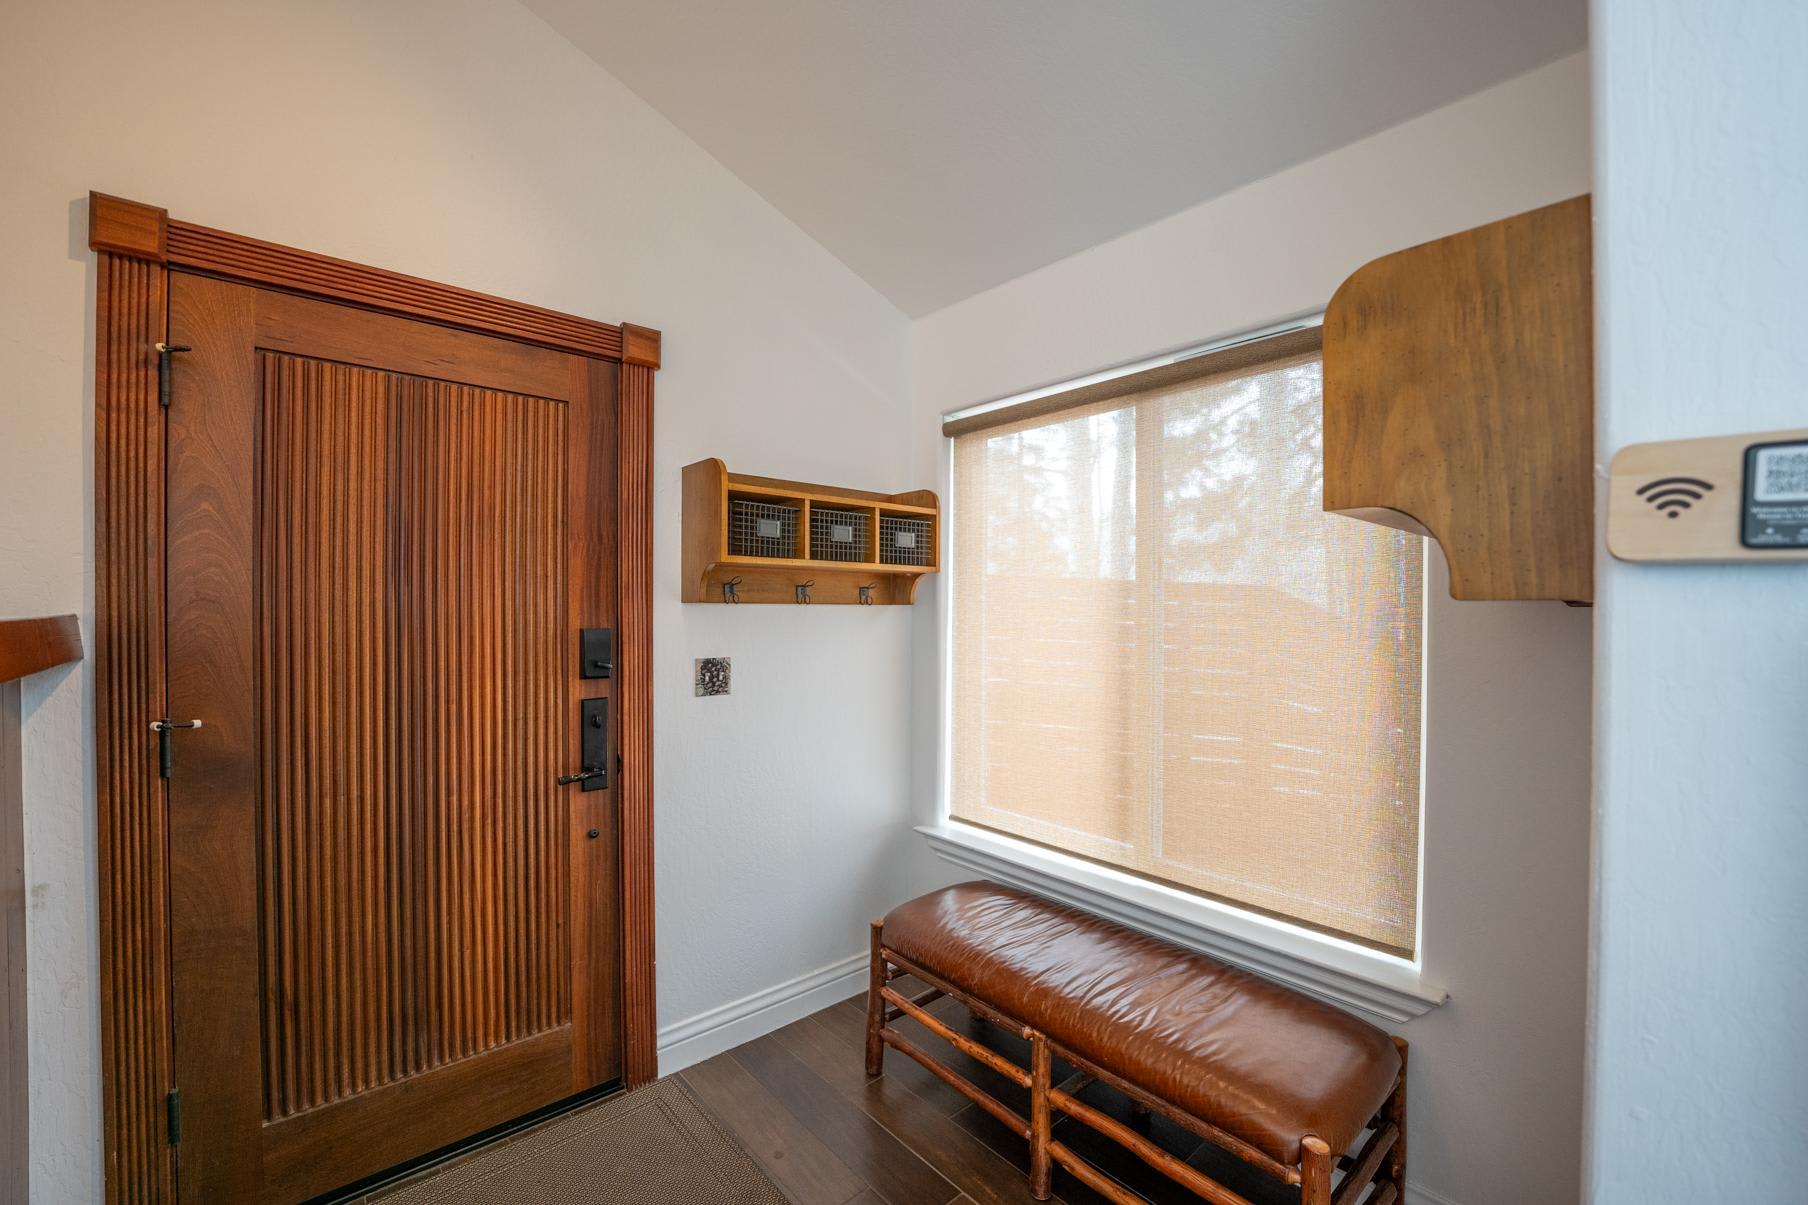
411,603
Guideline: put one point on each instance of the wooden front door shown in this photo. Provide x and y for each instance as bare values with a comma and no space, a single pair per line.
391,927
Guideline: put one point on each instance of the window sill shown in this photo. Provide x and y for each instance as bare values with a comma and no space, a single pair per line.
1340,972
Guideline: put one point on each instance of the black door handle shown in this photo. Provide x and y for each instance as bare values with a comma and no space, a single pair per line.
593,746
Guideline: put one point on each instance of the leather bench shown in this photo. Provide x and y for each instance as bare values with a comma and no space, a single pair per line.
1284,1081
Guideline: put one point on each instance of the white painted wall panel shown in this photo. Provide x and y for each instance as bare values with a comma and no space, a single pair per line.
1699,1054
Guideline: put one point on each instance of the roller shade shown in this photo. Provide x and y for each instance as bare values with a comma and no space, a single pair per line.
1169,659
1227,360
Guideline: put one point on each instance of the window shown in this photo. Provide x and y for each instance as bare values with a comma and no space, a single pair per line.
1169,659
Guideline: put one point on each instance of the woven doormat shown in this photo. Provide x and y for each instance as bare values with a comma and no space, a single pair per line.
655,1146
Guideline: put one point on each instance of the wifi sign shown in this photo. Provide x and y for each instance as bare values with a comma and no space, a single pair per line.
1673,495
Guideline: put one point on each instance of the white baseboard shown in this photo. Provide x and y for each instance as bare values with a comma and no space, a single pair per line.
1424,1196
726,1026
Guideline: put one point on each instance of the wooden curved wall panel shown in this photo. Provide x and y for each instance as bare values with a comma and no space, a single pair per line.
129,673
415,895
1459,402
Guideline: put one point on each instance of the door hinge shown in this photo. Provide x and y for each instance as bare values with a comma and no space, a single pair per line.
166,750
164,352
173,1105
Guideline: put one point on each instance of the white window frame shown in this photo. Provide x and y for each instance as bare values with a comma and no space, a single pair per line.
1346,973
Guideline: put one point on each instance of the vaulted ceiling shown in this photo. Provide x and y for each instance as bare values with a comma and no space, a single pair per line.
940,147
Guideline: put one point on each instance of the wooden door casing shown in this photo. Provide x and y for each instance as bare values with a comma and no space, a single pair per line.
383,538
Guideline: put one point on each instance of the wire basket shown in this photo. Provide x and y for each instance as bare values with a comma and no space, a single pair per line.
761,529
905,541
837,535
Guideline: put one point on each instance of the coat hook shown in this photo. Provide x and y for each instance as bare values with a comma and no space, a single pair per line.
803,591
866,593
731,590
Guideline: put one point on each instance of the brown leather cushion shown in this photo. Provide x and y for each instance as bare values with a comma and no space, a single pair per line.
1257,1060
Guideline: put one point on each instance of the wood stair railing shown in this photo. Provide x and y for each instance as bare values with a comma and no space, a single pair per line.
28,646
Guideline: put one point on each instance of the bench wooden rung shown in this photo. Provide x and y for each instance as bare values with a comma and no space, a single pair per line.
920,1000
1094,1179
1007,1116
960,1042
1366,1164
1148,1152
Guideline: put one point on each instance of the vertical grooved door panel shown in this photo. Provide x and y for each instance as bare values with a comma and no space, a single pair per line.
411,600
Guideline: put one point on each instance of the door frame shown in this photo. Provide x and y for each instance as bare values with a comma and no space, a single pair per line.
136,247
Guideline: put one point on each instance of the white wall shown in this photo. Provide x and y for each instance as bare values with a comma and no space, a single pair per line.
1699,1051
1496,1081
466,142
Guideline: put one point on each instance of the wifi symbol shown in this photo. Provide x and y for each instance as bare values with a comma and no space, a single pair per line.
1673,495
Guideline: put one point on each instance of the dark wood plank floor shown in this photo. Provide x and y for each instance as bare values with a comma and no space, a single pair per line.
799,1100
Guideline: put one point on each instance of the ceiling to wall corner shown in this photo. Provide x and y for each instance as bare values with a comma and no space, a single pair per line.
940,147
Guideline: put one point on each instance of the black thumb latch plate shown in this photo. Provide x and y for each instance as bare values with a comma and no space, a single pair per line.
596,653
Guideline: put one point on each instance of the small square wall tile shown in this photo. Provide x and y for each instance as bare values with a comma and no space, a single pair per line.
712,676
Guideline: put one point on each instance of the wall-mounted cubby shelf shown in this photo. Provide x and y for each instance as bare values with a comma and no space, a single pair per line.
761,539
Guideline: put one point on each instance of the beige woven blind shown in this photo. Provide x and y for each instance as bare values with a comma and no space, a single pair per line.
1168,658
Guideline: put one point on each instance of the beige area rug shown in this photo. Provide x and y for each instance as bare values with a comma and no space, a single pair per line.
652,1147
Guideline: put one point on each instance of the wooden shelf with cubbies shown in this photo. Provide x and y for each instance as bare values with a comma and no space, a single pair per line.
760,540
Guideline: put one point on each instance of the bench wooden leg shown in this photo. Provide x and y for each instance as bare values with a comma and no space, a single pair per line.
1041,1072
1396,1113
1315,1171
875,1005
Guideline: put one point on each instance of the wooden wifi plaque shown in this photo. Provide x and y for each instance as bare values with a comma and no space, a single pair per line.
1725,498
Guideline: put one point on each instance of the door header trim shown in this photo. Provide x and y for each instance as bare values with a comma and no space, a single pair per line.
139,231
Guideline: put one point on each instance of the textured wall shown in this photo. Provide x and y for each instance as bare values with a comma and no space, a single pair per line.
1497,1070
1699,1060
464,141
